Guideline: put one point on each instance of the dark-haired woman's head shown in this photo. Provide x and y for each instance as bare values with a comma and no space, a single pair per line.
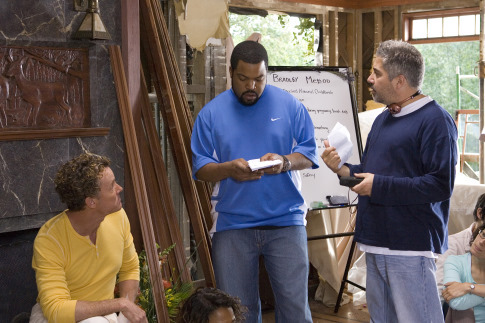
478,231
479,208
211,305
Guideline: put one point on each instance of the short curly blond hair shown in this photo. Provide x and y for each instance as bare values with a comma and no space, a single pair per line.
79,178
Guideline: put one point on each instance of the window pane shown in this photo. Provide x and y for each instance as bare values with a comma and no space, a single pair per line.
473,118
461,125
477,24
435,27
450,26
420,28
467,25
472,135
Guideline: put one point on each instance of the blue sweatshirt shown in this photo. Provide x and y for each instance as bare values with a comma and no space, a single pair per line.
225,130
413,158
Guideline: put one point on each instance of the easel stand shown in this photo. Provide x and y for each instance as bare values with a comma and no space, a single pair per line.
344,278
347,265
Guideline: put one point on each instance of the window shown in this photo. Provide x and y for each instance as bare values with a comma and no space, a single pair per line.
289,40
451,79
442,26
468,125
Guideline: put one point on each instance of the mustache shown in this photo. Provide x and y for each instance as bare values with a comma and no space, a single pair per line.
250,92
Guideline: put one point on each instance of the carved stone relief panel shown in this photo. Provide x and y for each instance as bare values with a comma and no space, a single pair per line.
44,88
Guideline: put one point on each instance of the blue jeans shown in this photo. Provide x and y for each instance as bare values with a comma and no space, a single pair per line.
235,256
402,289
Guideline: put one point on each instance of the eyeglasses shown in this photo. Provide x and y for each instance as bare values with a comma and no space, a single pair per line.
481,233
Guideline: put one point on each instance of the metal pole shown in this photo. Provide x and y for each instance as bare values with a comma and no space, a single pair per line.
458,93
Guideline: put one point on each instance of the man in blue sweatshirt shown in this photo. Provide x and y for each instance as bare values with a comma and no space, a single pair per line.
408,168
262,212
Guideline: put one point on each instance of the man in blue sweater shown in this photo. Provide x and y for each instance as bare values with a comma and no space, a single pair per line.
408,168
262,212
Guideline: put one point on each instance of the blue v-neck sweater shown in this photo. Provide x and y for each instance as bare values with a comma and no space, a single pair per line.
413,158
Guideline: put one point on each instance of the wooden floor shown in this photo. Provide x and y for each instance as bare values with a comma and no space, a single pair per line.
347,313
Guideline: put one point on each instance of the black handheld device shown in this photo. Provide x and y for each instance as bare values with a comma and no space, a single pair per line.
337,200
350,181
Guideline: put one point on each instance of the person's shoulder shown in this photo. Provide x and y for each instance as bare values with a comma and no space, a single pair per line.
119,215
222,97
53,222
219,102
274,90
121,212
383,114
462,233
458,258
435,109
434,116
284,98
55,229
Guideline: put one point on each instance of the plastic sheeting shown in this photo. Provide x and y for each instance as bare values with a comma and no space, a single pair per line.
201,20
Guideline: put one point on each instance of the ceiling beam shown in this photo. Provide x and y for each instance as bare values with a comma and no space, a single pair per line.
359,4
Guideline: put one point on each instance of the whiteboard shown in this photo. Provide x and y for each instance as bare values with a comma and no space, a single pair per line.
329,97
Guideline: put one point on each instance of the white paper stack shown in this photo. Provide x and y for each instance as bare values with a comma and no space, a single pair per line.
256,164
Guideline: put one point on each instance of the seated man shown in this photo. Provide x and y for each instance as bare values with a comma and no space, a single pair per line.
79,253
459,243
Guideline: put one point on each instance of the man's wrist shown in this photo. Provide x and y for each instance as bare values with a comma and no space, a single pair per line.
286,164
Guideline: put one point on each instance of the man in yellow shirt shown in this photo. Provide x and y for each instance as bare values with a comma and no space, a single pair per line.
80,254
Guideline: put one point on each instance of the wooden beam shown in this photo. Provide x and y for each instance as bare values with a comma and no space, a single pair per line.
359,4
130,40
163,210
34,134
130,44
138,183
169,93
184,116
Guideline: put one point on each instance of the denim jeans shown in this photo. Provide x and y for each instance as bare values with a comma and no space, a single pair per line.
235,256
402,289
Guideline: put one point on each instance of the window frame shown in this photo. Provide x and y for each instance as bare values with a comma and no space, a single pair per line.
409,17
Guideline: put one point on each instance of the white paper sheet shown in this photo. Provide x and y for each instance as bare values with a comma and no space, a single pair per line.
339,138
256,164
122,319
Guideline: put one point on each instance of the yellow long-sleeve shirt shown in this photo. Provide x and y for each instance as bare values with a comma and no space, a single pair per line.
69,267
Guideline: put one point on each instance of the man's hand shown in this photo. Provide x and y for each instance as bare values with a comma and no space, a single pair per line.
87,309
331,157
240,171
129,290
133,313
364,188
237,169
273,169
454,290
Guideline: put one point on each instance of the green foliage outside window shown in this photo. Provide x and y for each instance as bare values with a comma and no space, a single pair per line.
441,60
440,83
289,41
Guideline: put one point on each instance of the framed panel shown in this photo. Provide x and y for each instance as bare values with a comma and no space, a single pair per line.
43,91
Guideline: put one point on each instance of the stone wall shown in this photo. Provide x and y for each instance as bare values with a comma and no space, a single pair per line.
27,167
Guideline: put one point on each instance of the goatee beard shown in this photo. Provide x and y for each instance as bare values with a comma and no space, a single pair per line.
241,100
